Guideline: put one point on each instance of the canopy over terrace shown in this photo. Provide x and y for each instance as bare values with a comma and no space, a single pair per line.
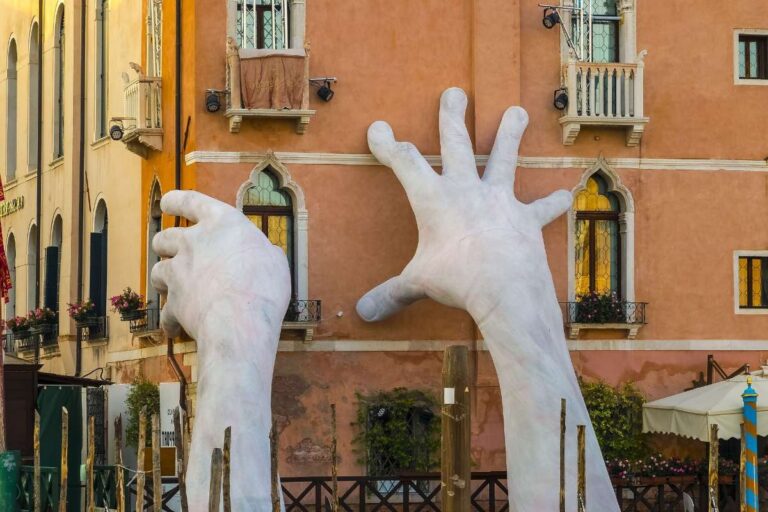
692,413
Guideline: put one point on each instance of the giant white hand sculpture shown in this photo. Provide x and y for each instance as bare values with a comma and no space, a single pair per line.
228,287
482,250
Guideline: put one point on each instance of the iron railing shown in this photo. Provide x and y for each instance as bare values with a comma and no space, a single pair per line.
171,488
305,311
49,489
616,312
94,328
9,342
145,320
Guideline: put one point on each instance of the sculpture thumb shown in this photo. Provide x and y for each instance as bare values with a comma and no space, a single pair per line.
387,299
548,208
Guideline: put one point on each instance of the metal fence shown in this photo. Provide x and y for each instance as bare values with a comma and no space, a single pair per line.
94,328
145,320
618,312
49,489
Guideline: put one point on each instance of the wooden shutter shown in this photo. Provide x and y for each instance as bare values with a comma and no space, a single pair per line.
51,291
96,287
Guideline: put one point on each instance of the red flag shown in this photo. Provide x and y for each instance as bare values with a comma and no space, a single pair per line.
5,273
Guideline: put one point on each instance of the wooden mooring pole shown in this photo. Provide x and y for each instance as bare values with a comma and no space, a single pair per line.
225,470
714,456
562,454
37,497
64,460
214,496
273,444
157,478
582,468
334,463
180,436
455,464
89,490
140,476
119,478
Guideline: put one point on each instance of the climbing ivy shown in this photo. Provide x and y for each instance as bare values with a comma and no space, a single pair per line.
617,416
397,430
142,394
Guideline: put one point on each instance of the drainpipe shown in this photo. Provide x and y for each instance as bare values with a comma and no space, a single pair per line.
39,156
81,182
177,175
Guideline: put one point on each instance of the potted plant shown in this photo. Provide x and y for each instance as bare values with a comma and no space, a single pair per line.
40,319
600,308
129,304
83,313
19,326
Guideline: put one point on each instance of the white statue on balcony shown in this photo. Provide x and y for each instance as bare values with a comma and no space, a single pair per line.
229,288
482,250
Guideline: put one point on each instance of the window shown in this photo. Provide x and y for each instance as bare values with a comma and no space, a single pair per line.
596,30
58,97
11,135
98,264
262,24
597,239
32,268
10,307
100,117
271,210
34,107
753,282
753,57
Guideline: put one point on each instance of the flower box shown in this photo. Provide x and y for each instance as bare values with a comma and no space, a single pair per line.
138,314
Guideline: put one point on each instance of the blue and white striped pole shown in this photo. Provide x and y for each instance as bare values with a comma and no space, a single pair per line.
750,435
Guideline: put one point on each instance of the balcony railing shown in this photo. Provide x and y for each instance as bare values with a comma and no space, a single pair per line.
604,94
303,315
145,321
142,115
46,336
615,315
94,328
269,84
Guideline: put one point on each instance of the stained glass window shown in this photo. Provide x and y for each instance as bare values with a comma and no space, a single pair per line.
753,282
602,44
271,210
597,239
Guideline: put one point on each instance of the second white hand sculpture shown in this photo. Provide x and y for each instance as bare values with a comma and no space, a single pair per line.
482,250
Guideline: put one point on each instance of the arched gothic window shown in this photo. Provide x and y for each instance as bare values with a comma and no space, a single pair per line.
58,97
271,210
11,113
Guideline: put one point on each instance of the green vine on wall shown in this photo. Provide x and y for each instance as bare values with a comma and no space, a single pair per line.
617,416
398,430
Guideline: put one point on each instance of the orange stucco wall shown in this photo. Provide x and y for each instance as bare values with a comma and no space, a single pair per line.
393,60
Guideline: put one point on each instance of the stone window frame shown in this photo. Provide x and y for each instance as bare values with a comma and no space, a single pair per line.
736,309
745,32
626,229
297,30
627,31
300,217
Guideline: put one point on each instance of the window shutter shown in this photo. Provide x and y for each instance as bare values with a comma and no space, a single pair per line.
51,291
95,285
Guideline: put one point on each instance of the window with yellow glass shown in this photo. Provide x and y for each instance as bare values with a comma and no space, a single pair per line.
753,282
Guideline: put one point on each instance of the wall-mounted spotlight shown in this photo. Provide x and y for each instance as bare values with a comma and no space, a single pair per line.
324,91
560,99
116,130
551,17
213,100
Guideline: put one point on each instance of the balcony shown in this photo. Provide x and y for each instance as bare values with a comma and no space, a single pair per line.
144,323
604,95
46,336
267,84
303,315
620,315
93,329
142,129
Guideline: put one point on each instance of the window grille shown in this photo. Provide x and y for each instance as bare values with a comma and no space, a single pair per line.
155,37
753,282
262,24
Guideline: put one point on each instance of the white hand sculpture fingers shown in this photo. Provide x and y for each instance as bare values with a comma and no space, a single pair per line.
455,144
167,243
548,208
502,164
411,169
388,298
160,276
190,204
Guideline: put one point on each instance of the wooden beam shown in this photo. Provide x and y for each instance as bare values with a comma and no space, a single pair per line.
714,456
157,478
64,459
214,496
226,475
273,444
90,498
456,431
119,476
140,476
334,462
